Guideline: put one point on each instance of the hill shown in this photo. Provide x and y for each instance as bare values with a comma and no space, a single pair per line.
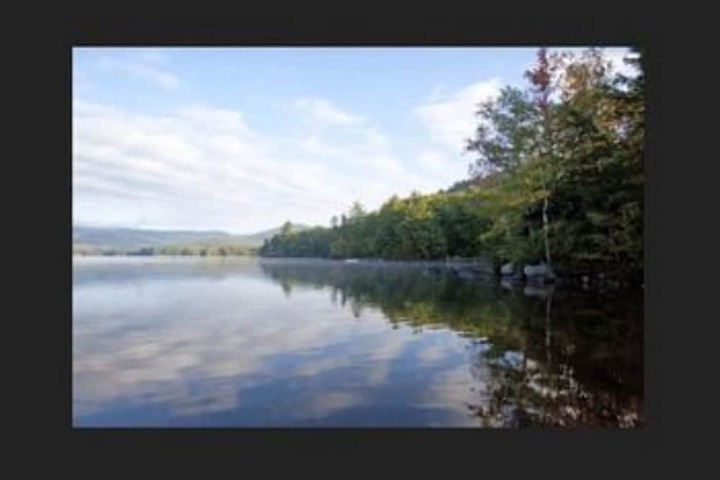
98,239
258,237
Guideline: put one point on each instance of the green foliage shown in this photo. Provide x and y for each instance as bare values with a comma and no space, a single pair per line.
418,227
587,167
198,249
506,132
202,250
313,242
559,169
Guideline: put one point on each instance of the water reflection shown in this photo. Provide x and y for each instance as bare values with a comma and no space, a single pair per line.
551,357
296,343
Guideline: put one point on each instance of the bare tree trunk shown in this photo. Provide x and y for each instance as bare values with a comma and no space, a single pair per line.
548,328
546,227
543,81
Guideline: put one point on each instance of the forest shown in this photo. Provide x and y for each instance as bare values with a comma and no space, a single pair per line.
556,178
192,249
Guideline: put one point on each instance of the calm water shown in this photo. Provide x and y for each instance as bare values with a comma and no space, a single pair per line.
240,342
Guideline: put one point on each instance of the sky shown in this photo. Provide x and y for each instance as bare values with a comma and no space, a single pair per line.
242,139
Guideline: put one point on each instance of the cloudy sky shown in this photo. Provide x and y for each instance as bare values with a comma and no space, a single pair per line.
242,139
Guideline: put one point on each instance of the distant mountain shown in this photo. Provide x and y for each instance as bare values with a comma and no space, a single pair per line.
133,239
130,239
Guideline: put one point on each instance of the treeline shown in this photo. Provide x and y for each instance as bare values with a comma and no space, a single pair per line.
418,227
557,178
181,250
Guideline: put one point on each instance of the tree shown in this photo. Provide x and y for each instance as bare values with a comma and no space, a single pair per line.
356,211
601,125
558,175
509,168
505,133
541,79
286,229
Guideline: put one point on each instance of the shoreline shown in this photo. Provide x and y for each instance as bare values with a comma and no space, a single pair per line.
471,269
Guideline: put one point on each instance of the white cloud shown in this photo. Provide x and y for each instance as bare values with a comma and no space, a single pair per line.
148,66
433,353
323,110
157,363
617,56
314,145
203,167
450,119
192,162
454,388
204,356
449,116
325,403
441,166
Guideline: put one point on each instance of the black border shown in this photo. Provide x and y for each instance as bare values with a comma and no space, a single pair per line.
543,452
384,30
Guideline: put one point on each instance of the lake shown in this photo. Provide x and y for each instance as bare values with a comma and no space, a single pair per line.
249,342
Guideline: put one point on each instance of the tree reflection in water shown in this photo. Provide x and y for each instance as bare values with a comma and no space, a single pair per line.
549,357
